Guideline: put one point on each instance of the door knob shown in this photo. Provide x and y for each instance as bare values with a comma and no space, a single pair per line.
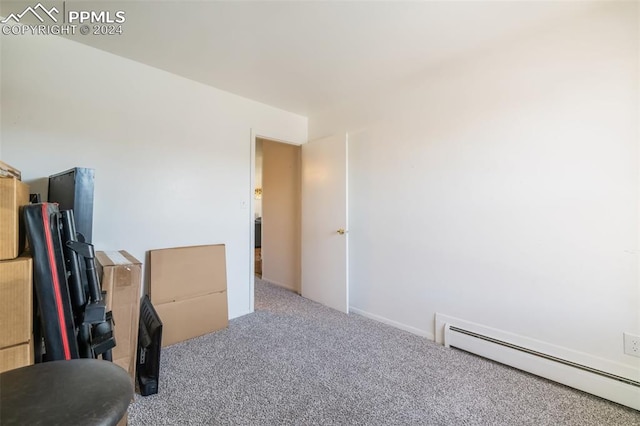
341,231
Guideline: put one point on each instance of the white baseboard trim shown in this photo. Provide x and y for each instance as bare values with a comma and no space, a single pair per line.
241,314
396,324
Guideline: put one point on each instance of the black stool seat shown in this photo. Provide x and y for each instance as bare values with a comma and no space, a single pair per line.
76,392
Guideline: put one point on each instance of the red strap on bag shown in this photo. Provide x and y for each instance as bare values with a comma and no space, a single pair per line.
56,283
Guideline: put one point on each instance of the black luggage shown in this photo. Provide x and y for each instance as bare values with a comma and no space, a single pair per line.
43,224
70,309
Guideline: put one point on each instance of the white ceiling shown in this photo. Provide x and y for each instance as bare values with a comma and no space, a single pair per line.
303,56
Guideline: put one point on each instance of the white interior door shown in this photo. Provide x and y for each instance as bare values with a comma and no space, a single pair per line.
324,222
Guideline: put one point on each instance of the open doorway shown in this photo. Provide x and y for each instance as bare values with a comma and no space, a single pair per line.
257,209
277,213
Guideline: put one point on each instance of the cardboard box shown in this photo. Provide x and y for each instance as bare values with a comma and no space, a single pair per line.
188,287
124,420
123,363
13,195
16,356
121,276
16,303
189,318
8,171
186,272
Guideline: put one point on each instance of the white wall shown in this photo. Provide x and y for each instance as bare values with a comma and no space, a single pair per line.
171,156
502,188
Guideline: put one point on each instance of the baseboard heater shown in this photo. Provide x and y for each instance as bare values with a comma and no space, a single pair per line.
614,387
